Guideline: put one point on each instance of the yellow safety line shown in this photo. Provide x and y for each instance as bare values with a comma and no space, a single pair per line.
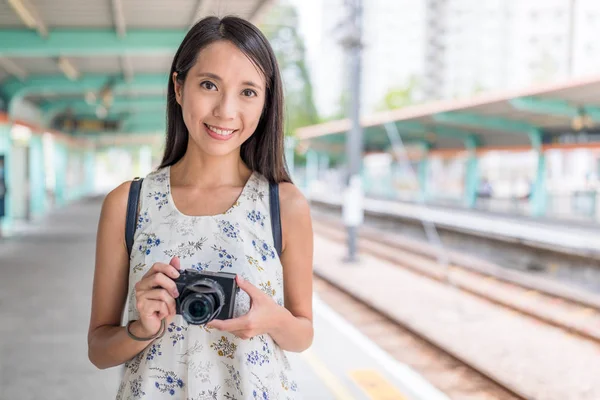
375,385
327,377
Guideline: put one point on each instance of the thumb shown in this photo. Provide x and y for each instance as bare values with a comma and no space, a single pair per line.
175,262
247,287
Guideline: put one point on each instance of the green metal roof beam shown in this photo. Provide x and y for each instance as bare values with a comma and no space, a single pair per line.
556,107
469,139
61,84
41,84
88,42
483,122
118,103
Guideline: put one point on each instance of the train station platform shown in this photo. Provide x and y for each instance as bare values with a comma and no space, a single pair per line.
532,359
45,300
571,238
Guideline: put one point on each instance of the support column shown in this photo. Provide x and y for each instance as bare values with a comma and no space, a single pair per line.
312,168
5,150
538,194
472,172
60,165
90,171
423,172
37,176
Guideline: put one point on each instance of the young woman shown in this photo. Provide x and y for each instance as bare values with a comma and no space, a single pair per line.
207,208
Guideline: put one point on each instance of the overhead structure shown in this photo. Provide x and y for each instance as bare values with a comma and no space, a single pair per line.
565,113
104,60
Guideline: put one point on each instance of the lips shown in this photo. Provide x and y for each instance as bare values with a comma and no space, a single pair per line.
219,133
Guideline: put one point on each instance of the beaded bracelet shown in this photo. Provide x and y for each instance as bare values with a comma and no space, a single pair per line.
158,334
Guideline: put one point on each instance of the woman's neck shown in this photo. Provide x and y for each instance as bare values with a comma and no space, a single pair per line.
204,171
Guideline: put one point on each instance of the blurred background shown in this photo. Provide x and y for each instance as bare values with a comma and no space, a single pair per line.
450,151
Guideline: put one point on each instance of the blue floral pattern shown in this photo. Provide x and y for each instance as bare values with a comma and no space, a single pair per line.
263,249
167,381
195,362
257,217
230,230
225,259
150,242
177,332
161,198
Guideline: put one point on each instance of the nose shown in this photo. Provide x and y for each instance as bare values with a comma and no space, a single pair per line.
226,107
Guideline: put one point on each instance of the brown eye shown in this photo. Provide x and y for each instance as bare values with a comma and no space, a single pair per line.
208,85
249,93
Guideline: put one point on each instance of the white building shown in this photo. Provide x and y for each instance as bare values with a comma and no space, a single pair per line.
455,48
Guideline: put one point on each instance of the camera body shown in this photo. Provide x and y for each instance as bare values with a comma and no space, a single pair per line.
204,296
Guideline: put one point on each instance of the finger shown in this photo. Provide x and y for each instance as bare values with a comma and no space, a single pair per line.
166,269
163,295
150,308
158,280
243,334
175,263
249,288
164,311
229,325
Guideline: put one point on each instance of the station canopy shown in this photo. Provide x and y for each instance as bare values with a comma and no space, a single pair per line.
565,112
98,65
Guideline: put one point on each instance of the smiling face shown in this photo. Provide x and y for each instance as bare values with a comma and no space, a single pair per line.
222,99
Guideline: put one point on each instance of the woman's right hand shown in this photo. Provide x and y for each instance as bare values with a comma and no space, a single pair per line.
155,296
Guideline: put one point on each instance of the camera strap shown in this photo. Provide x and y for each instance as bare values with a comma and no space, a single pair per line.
133,204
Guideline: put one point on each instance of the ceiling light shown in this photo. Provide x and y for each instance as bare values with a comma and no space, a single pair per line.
23,13
67,68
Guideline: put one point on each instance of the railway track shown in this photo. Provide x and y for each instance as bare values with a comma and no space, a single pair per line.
457,378
573,313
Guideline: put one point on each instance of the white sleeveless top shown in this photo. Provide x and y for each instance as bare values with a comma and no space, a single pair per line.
192,362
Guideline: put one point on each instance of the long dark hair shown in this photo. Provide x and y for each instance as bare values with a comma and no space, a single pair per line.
263,151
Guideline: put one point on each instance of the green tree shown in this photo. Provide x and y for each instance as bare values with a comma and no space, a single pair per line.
399,96
280,26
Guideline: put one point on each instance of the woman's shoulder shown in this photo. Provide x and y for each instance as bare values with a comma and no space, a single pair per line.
116,200
293,204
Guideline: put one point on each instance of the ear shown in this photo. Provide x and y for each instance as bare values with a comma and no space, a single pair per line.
178,88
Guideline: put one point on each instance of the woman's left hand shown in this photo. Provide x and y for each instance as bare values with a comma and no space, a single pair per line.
260,319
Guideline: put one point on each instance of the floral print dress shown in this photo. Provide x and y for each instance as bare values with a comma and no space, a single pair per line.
192,362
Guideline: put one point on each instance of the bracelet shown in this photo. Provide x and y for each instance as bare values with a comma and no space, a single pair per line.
158,334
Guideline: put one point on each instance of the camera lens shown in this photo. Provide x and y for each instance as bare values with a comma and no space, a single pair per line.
197,308
202,301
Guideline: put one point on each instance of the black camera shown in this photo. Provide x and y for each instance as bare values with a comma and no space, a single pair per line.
204,296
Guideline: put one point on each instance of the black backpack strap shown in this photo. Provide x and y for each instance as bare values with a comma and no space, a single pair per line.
132,212
275,217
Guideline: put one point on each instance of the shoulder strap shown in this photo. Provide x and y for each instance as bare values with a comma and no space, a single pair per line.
275,217
132,210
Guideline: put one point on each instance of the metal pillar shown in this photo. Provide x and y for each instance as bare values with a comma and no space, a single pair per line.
538,191
423,173
472,173
37,176
312,168
61,155
352,210
5,150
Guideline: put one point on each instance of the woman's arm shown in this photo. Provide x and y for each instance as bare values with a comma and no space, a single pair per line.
108,343
294,329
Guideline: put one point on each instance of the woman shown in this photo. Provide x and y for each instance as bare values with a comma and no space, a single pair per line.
207,208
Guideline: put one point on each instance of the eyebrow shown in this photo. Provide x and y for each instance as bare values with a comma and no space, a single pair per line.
218,78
